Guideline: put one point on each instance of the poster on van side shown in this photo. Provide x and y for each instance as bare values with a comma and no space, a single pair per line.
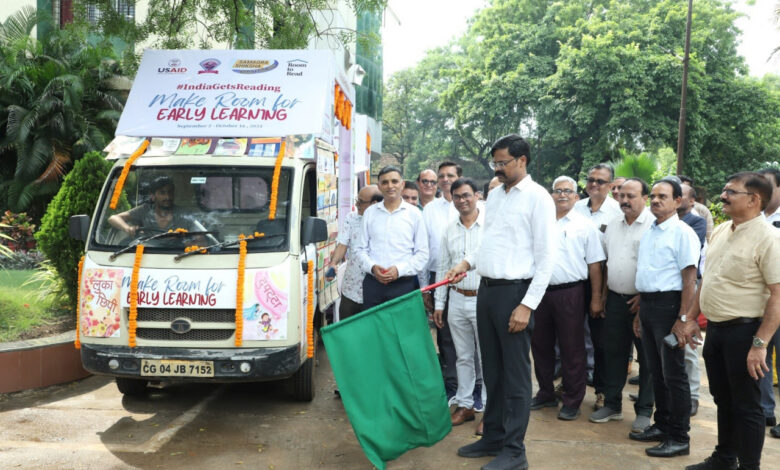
228,93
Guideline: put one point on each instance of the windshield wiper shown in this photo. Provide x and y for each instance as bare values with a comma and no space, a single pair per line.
227,243
171,233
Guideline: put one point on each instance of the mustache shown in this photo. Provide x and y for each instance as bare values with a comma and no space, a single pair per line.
627,206
724,201
499,173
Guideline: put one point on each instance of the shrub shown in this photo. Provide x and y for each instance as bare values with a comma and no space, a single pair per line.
78,195
22,260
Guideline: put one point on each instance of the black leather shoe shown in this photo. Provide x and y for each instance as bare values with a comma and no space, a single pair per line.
669,448
713,462
537,403
775,432
634,380
507,462
479,449
694,407
771,421
633,396
568,413
648,435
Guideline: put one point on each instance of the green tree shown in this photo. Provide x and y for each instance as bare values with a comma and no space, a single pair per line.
78,195
55,105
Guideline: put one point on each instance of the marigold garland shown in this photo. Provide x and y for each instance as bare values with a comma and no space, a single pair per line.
120,182
368,142
178,230
275,181
192,248
310,309
240,291
133,316
336,110
77,343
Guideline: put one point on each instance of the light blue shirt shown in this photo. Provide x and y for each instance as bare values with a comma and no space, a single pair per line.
664,251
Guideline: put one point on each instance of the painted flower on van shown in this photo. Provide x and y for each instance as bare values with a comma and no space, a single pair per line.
100,302
266,305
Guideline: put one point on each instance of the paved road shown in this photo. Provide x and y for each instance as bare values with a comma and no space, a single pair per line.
89,425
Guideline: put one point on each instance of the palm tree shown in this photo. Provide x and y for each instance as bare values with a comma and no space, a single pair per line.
54,107
642,165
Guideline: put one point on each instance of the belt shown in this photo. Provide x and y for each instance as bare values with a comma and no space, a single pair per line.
625,296
464,292
668,295
565,285
488,282
736,321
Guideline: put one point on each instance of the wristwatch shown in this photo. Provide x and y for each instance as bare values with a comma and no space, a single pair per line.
758,342
684,318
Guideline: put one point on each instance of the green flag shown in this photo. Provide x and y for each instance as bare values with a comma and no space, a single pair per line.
389,378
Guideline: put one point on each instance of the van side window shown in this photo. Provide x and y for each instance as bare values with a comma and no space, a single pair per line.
309,203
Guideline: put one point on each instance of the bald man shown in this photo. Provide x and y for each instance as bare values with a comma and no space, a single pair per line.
352,285
426,182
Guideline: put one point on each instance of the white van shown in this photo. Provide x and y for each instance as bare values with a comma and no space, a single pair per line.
216,147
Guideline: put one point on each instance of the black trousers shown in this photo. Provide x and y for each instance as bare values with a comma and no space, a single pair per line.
737,395
375,293
348,307
667,366
448,356
596,327
618,337
506,367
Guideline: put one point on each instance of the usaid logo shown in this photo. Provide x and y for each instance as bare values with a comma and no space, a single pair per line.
174,66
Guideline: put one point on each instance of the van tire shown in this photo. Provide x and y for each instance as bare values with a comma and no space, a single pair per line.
302,381
131,387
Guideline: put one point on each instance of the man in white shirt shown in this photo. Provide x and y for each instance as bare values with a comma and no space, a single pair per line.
352,285
515,259
621,243
600,210
559,315
666,281
426,182
460,238
393,246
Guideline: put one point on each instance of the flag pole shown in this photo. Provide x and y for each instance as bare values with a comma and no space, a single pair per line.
443,282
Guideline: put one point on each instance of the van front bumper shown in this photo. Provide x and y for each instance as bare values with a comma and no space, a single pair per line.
264,363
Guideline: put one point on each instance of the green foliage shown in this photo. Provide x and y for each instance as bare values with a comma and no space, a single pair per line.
642,165
718,216
205,24
666,159
78,195
21,308
55,105
585,80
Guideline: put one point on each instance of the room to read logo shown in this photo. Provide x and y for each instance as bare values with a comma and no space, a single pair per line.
254,66
174,66
209,66
296,67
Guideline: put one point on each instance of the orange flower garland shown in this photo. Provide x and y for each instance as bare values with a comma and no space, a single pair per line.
275,181
120,182
310,309
192,248
77,343
240,291
133,317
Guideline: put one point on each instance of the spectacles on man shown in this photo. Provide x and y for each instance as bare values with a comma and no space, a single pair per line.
731,192
599,182
430,182
494,165
566,191
462,197
360,202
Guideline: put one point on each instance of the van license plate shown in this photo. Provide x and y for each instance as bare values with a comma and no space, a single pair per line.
174,368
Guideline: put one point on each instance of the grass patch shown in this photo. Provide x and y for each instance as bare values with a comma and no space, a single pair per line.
21,311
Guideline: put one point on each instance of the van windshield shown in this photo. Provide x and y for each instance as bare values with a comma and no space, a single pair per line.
216,204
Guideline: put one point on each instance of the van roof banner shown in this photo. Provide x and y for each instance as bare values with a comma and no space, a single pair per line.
225,93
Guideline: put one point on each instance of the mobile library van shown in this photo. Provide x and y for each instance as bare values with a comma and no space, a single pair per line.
205,254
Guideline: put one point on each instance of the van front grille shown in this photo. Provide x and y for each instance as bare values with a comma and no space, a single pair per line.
218,315
166,334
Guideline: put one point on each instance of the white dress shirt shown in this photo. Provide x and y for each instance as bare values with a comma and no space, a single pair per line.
393,239
457,243
352,284
664,251
773,217
578,246
438,214
519,240
609,210
621,245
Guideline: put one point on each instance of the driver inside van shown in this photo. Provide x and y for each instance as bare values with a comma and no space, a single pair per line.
158,214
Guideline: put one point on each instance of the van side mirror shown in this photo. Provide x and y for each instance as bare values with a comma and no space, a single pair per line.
78,227
315,230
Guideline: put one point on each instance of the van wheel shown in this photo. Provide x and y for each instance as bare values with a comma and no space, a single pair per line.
131,387
303,380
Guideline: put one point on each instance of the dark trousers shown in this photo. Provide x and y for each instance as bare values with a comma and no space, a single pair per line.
506,366
667,365
736,394
447,355
348,307
559,316
375,293
596,327
618,338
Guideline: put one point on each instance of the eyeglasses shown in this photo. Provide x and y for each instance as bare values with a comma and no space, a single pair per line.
360,202
599,182
427,181
461,197
731,192
563,191
496,165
